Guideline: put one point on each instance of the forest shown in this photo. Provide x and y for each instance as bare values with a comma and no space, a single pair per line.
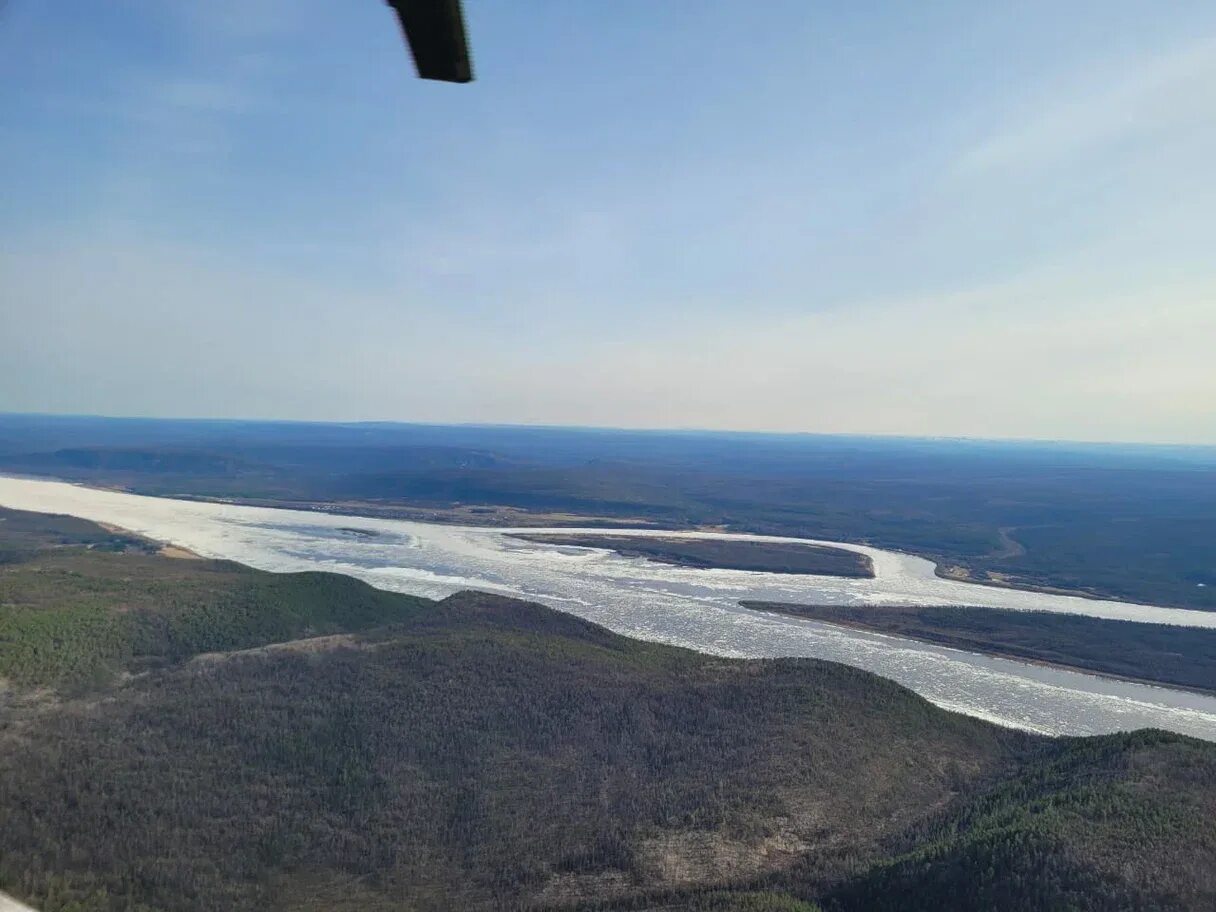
198,735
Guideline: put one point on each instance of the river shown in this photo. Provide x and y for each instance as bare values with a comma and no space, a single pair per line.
681,606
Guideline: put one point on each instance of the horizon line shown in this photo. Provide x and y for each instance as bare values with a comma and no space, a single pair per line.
506,425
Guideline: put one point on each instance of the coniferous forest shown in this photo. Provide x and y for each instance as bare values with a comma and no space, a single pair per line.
187,735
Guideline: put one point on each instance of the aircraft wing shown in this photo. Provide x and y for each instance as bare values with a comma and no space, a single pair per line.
436,36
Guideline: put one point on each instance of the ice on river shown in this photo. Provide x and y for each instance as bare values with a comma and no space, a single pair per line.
682,606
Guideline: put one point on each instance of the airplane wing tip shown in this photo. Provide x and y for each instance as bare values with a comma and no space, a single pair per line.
435,32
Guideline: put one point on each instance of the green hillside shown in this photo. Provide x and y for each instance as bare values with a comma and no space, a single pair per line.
486,753
81,605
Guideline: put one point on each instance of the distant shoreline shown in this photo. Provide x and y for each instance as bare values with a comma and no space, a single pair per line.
164,549
1027,636
943,571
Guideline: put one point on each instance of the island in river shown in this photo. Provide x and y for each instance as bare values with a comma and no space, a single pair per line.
1157,653
723,554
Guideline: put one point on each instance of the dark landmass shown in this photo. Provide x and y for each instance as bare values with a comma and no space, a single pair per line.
81,606
765,557
1157,653
1127,522
196,735
25,535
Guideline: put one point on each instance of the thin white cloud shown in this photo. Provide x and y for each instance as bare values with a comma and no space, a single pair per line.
1044,357
137,327
1108,104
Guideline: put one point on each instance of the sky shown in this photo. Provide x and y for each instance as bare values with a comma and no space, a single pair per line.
956,219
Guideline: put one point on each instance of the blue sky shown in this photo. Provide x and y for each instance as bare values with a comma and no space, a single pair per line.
946,218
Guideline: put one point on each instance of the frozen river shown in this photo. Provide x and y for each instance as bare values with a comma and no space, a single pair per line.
686,607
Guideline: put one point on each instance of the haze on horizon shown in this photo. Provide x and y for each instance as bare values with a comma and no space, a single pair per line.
951,221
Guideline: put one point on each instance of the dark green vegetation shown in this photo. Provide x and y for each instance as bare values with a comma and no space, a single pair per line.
486,753
1127,522
1182,656
1104,800
79,605
25,535
768,557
